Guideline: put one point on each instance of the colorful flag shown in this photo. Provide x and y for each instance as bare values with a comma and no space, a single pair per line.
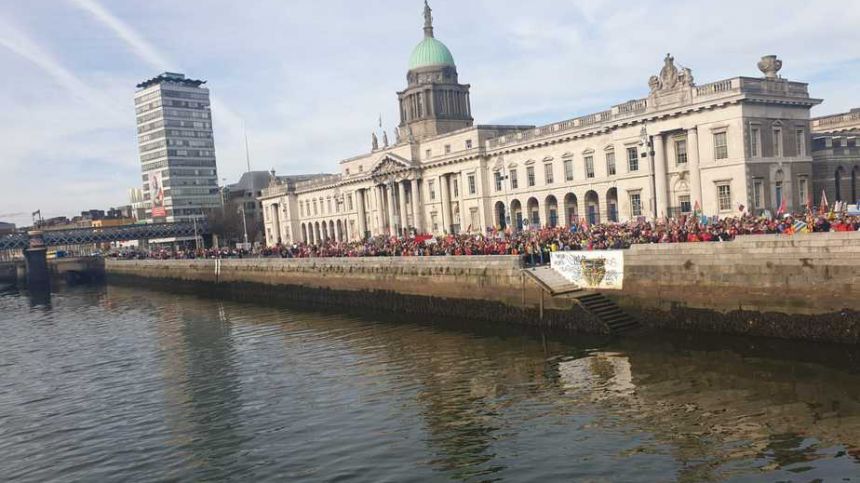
799,226
822,208
783,206
697,209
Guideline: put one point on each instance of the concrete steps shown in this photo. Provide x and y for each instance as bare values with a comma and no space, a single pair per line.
595,303
618,321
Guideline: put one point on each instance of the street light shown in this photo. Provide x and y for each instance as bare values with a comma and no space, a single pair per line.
646,142
500,168
244,223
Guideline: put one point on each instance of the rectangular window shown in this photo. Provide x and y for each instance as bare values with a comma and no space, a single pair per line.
427,154
431,189
803,191
721,148
447,148
724,197
610,163
632,159
754,141
530,175
589,166
568,170
800,143
680,152
468,144
497,179
514,182
684,203
547,173
434,221
777,189
777,142
471,180
635,204
349,202
758,193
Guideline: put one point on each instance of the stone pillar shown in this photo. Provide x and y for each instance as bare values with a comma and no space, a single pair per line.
660,181
362,220
276,222
693,163
447,217
416,207
401,206
380,212
36,258
392,228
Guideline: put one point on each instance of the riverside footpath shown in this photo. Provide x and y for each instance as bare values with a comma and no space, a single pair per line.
802,287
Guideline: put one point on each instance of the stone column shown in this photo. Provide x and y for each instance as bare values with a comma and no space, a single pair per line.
447,216
380,212
416,207
392,229
401,206
362,220
660,181
693,163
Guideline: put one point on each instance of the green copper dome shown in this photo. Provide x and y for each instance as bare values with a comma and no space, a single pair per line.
430,52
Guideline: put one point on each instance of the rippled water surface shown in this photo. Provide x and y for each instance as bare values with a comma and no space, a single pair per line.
118,384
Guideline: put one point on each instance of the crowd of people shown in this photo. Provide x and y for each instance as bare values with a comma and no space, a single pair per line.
535,245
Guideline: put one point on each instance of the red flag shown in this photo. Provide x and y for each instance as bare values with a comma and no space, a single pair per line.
782,207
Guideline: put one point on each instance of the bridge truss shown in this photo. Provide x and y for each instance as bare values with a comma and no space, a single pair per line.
87,236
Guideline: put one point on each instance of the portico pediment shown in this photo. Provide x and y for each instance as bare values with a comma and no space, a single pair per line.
390,163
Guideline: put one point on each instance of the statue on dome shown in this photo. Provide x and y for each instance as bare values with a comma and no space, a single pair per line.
428,20
374,142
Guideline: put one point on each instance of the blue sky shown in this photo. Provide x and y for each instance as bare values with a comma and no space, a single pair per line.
309,79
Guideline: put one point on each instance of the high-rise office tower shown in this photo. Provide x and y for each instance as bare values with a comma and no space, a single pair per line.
177,150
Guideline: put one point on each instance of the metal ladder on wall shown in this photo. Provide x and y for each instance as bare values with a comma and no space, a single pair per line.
595,303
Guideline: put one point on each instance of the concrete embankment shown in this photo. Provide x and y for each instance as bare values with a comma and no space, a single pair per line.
488,287
806,286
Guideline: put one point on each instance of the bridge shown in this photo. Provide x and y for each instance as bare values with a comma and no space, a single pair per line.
85,236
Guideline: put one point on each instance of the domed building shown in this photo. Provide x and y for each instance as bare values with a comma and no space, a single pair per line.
737,144
434,102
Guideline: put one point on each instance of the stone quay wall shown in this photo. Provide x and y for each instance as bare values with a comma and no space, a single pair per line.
484,287
804,286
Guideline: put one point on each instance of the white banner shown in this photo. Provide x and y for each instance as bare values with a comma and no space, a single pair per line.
598,269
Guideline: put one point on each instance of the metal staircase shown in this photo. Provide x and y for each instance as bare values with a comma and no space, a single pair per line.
597,304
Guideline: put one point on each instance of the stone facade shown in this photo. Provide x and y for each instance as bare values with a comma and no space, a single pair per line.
738,142
836,155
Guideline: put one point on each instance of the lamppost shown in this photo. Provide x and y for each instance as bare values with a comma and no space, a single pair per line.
244,223
646,142
500,168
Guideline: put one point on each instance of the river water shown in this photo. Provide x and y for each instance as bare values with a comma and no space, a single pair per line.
121,384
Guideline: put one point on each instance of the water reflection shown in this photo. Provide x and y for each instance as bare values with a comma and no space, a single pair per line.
223,390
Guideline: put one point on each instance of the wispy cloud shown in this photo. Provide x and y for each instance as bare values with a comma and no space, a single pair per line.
310,77
143,49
